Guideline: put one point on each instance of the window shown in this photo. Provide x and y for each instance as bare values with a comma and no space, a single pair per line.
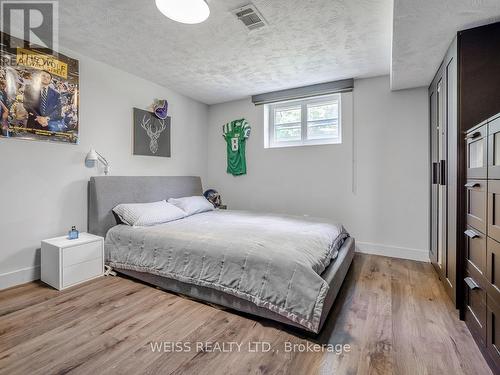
304,122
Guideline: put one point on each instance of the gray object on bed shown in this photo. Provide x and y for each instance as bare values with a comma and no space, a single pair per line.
212,267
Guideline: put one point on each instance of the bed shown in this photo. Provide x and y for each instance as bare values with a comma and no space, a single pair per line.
284,268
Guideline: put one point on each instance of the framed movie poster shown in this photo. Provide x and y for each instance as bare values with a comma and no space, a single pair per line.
39,97
151,134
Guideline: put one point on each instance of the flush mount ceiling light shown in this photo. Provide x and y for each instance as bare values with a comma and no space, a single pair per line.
184,11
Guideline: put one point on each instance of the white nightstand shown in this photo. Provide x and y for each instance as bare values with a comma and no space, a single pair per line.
65,262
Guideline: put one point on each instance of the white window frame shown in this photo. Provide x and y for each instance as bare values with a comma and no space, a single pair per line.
270,110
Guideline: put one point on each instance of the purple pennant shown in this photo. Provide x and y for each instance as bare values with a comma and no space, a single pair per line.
161,108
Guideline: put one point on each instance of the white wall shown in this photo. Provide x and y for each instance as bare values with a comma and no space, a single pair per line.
375,182
382,199
43,186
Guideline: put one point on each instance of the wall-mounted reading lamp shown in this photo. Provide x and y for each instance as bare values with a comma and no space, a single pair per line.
92,159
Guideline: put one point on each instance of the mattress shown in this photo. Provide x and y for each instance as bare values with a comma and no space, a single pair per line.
263,262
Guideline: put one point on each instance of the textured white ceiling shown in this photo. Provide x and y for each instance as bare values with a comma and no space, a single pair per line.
306,42
423,31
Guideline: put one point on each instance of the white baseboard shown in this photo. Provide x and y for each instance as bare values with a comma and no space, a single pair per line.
392,251
17,277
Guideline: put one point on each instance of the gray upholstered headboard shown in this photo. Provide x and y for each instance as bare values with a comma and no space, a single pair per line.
106,192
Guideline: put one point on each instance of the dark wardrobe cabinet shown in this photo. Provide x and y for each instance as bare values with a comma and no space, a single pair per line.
482,237
444,158
464,99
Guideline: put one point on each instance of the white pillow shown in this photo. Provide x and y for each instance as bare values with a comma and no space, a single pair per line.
192,205
147,214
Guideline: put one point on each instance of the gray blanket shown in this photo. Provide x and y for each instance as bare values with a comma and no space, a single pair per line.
274,261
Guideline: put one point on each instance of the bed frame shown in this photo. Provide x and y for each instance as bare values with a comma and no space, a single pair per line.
104,193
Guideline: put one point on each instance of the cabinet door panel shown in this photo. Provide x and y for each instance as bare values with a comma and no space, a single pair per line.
493,332
475,249
475,304
78,273
454,181
442,217
494,209
493,268
81,253
434,169
494,149
476,153
476,204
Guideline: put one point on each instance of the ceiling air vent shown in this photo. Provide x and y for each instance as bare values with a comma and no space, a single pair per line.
250,16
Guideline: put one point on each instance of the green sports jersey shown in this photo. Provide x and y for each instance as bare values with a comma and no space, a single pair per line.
235,133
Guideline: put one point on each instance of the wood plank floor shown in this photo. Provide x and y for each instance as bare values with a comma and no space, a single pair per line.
393,314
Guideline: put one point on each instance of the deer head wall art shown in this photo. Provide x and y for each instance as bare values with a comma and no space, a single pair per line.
151,134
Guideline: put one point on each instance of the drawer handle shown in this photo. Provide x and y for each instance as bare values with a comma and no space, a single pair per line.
472,184
471,283
442,172
435,174
473,135
471,233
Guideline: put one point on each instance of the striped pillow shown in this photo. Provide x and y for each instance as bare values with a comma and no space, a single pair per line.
147,214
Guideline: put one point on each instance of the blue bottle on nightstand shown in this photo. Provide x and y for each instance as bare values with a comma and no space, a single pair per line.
73,233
